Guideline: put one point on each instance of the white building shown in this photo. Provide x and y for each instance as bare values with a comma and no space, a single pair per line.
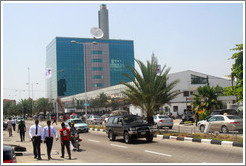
189,81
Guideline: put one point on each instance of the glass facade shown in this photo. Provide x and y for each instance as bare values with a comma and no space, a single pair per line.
106,60
198,80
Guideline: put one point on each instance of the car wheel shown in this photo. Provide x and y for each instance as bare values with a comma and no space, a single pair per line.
111,136
202,128
224,129
149,138
170,127
127,138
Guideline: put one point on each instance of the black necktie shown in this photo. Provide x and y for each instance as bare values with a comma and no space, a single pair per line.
36,129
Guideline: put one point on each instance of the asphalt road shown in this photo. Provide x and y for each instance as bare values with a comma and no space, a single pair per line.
96,148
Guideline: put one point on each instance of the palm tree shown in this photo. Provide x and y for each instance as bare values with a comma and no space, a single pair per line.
43,105
207,98
149,90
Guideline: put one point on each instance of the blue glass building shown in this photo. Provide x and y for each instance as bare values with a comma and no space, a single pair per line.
105,61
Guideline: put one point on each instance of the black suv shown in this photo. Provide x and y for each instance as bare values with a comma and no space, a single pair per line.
128,126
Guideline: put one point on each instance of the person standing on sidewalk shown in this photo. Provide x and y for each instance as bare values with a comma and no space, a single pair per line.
48,133
22,130
54,120
65,140
14,123
9,127
35,133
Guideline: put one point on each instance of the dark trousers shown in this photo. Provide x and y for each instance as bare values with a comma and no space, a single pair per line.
22,136
67,144
54,122
49,143
13,126
36,146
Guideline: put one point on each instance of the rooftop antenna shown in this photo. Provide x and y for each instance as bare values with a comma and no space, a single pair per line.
97,33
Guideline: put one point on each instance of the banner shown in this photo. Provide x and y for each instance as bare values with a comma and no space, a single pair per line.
48,73
158,69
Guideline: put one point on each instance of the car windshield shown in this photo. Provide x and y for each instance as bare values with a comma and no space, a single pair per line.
95,116
234,117
77,121
132,119
162,117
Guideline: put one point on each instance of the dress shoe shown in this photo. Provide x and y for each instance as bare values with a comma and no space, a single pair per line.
39,158
69,157
35,157
62,156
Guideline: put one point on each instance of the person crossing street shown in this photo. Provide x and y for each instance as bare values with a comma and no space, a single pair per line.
48,133
35,133
22,130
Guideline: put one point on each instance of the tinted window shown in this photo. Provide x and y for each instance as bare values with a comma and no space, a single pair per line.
77,121
234,117
163,117
131,119
110,120
115,120
220,118
95,116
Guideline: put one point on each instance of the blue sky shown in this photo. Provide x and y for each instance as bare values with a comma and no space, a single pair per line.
184,36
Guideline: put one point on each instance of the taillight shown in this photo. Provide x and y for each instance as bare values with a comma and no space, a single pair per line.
234,122
160,120
172,120
9,161
95,119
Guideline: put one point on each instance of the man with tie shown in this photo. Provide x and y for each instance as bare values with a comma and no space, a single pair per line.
35,133
48,133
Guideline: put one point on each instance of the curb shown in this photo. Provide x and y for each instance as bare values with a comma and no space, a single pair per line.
206,141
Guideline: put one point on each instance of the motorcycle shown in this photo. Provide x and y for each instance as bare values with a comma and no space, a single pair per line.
76,141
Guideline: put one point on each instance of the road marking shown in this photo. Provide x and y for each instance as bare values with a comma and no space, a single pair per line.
168,155
93,140
118,146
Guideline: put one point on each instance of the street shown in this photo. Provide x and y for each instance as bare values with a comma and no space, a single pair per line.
96,148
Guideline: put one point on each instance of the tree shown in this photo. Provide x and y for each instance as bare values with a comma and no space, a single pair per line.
207,98
148,89
236,74
8,108
25,106
43,105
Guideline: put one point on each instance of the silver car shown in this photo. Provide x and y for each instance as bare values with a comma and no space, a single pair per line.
94,119
163,121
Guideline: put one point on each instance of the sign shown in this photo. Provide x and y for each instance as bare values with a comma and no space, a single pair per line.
87,104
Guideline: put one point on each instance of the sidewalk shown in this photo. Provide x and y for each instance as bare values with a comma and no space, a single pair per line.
28,156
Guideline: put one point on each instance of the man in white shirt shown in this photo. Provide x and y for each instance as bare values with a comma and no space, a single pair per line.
14,123
35,133
9,127
48,133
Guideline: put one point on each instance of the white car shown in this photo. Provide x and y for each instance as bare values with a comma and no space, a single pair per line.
163,121
94,119
78,124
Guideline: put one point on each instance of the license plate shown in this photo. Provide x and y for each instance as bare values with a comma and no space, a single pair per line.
143,133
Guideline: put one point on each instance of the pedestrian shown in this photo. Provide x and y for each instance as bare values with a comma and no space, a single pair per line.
54,120
48,133
73,131
196,117
14,123
65,140
9,127
35,133
22,130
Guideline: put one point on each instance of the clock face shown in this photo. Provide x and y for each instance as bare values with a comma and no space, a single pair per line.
97,32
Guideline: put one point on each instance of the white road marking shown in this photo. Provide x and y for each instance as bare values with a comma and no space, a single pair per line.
168,155
93,140
118,146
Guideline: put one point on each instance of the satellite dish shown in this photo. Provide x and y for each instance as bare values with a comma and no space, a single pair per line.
96,32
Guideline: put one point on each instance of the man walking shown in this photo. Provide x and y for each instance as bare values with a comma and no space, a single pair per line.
14,123
9,127
54,120
22,130
35,133
48,133
65,140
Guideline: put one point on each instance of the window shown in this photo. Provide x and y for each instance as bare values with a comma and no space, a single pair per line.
198,80
220,118
98,85
97,77
115,121
97,68
96,60
110,120
186,93
175,108
97,52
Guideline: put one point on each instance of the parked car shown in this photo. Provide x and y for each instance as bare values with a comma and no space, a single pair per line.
223,111
4,125
94,119
105,117
128,126
19,119
163,121
8,154
202,123
224,123
80,125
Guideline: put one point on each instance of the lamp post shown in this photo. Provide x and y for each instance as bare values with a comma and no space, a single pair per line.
85,77
32,94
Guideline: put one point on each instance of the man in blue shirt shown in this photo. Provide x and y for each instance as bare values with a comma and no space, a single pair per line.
48,133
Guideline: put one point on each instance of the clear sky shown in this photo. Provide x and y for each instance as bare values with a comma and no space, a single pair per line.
184,36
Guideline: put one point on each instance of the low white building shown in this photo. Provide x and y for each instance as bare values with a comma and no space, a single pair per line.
189,81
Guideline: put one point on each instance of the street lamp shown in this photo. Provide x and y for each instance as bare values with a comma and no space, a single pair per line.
85,77
32,94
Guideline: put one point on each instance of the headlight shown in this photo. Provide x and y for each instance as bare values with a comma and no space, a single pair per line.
133,129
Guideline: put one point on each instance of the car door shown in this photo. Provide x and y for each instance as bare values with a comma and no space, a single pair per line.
219,123
212,123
